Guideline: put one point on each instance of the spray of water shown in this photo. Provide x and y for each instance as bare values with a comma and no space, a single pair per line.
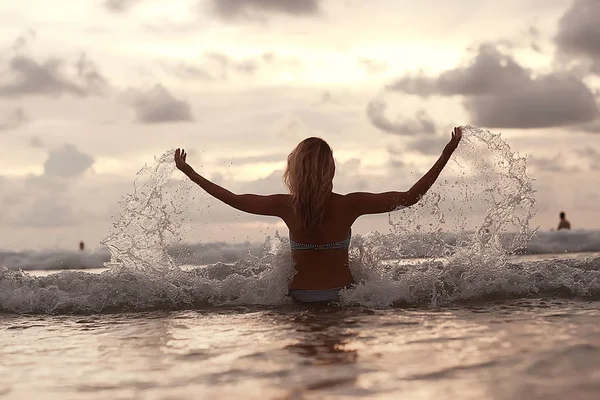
453,246
485,196
149,221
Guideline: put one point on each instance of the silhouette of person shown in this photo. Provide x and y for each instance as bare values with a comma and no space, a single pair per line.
81,246
564,223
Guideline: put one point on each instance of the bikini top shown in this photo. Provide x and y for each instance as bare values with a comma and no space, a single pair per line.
342,244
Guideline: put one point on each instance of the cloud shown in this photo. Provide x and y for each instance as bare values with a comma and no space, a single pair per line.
421,124
36,142
592,155
428,145
372,67
500,93
546,102
216,66
119,6
579,32
47,212
591,127
35,202
257,159
13,119
256,9
43,201
27,76
490,72
66,162
158,105
550,164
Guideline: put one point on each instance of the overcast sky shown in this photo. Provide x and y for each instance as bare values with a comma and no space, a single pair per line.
90,91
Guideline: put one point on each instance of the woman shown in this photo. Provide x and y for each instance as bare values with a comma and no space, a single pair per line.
319,220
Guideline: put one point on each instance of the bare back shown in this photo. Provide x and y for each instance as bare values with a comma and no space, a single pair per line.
322,269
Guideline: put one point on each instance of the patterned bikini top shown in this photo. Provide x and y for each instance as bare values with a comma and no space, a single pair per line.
342,244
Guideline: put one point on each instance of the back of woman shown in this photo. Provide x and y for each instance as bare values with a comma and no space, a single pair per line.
318,219
321,254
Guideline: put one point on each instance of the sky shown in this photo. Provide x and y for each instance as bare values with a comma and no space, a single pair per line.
92,90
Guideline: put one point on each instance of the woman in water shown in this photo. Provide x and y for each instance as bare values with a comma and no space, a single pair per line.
319,220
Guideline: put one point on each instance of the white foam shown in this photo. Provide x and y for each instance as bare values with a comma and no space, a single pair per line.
473,265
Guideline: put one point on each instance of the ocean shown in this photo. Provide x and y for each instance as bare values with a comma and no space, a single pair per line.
461,299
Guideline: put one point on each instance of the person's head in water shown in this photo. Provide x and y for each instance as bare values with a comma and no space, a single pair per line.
562,215
309,177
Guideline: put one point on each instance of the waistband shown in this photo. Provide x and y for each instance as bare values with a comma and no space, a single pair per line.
317,295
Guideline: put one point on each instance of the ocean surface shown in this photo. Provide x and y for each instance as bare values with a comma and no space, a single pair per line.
461,299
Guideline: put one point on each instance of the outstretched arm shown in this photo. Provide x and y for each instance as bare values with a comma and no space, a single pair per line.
375,203
251,203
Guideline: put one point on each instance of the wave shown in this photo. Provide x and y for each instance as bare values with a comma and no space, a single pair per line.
489,201
559,242
182,254
250,282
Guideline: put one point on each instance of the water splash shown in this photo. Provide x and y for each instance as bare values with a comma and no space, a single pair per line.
149,221
488,197
462,232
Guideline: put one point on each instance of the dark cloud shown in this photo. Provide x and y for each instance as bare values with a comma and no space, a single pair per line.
500,93
579,31
158,105
545,102
257,9
66,162
119,6
490,72
421,124
51,77
13,119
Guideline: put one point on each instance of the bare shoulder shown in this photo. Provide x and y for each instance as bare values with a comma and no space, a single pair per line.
281,201
280,198
360,197
361,203
277,200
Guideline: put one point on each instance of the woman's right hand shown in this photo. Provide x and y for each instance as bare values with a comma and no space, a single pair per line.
454,141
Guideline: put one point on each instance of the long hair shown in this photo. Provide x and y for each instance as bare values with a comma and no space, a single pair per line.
309,177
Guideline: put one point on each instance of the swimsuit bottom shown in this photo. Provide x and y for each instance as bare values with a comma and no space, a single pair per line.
319,295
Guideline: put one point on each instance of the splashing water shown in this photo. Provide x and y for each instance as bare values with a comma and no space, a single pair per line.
453,246
489,201
149,222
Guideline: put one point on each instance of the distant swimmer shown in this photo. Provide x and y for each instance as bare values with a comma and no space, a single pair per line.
564,223
318,219
81,246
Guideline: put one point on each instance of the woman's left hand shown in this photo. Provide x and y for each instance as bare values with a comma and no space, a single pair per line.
180,156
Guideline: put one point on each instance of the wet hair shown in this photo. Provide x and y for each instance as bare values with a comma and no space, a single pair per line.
562,215
309,177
